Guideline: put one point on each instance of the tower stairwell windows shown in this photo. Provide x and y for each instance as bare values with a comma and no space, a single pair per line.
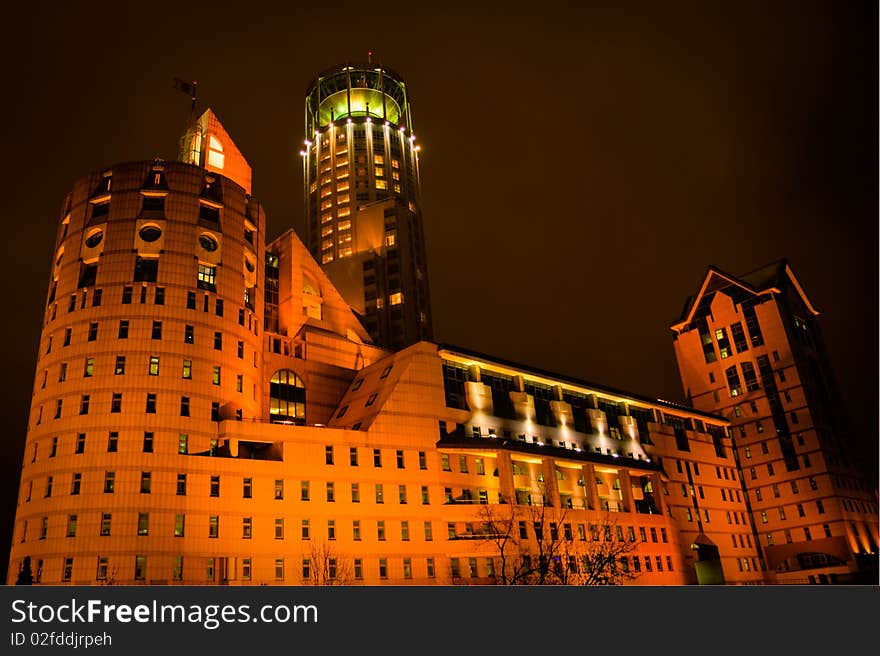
733,381
723,343
739,337
287,398
708,343
752,325
751,379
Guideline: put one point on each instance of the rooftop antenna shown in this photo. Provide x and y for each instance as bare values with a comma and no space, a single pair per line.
188,145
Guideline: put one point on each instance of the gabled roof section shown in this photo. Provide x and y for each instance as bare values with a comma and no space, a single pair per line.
306,283
768,279
206,143
371,390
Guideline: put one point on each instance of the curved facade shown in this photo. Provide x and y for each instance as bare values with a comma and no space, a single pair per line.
151,337
362,199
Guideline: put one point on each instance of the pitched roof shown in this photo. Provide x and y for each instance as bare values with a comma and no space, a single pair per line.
768,279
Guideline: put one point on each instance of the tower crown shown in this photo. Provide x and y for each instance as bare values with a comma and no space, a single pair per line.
357,91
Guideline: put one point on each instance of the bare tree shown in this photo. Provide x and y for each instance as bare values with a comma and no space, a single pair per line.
535,546
327,567
602,561
501,529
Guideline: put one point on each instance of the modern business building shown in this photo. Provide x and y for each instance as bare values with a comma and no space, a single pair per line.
362,199
749,349
209,409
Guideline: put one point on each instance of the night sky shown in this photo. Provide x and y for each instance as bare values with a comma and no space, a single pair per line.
582,166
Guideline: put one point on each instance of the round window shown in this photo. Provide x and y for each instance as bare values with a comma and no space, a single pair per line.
208,243
150,233
94,239
249,265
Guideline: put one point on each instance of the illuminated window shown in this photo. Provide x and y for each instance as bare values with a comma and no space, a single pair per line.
345,251
733,381
723,342
215,152
381,184
391,238
327,257
396,298
327,216
143,526
343,211
379,172
342,186
207,277
378,159
326,230
314,186
397,188
326,244
179,525
344,237
344,225
326,191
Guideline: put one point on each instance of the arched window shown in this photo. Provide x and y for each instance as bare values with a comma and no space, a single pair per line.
215,152
287,398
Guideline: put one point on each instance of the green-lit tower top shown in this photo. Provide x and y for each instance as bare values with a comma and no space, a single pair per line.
357,91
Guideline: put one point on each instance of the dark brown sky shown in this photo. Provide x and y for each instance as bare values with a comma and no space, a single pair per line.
582,165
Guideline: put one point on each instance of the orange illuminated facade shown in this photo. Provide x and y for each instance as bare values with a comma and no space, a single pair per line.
209,409
749,349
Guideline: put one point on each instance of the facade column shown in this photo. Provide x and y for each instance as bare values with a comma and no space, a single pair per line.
626,490
551,485
591,494
505,477
657,494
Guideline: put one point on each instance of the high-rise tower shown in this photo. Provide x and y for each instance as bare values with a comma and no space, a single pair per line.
362,199
749,349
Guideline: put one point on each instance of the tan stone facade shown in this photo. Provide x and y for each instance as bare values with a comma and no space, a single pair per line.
208,409
749,349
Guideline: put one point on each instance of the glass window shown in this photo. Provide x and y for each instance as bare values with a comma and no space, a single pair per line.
287,398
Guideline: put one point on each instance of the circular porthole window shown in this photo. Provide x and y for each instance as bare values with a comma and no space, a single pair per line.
94,239
249,265
150,233
208,243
